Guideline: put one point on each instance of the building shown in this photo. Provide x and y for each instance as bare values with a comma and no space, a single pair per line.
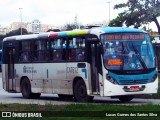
36,26
17,25
4,30
100,23
29,27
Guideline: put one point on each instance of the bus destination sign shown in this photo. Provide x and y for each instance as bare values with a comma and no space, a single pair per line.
125,36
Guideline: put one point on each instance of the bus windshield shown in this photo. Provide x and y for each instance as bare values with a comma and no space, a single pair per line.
127,51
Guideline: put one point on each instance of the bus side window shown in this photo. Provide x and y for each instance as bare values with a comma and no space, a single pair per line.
58,49
25,51
81,49
41,50
71,48
76,49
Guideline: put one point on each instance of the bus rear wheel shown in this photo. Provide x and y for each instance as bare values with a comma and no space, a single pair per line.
80,92
26,88
126,98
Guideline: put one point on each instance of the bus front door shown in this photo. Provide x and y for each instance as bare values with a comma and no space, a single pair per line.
10,82
95,61
157,49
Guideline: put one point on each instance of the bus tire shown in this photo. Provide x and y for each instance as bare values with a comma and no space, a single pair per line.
80,92
126,98
62,96
26,88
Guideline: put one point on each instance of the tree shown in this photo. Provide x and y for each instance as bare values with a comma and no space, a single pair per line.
139,12
70,26
53,30
1,38
17,32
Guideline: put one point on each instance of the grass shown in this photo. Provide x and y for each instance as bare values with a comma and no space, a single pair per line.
78,107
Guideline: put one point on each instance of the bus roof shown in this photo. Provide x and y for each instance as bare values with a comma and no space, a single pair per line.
119,29
20,37
96,31
69,33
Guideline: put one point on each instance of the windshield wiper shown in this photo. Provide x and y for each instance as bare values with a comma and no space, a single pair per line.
139,57
122,57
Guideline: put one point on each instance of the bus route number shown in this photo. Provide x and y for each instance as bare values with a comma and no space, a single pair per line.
72,70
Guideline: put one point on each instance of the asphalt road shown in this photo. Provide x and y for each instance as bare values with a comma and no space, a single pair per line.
6,97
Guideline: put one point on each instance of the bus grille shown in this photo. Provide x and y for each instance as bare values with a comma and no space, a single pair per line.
131,82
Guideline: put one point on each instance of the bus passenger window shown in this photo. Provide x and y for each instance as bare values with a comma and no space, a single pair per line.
53,44
58,52
41,50
25,51
63,43
70,44
24,56
76,49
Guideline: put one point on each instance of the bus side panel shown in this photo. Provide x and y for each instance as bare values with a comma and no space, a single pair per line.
57,72
22,70
44,78
79,69
42,81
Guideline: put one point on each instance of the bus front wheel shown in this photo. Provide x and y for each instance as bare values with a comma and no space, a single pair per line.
126,98
26,88
80,92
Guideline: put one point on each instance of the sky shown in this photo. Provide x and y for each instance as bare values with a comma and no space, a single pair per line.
57,12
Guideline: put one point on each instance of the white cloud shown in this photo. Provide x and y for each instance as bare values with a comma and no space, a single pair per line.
57,12
54,11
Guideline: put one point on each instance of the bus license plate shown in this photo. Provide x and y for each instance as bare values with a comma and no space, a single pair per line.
134,88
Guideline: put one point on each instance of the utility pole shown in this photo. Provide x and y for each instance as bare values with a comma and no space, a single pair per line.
109,11
21,18
75,21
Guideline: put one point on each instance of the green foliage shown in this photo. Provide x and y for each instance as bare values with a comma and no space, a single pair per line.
137,12
118,21
1,38
70,26
17,32
54,30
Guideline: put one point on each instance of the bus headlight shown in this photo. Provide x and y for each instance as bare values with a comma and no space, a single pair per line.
110,79
154,78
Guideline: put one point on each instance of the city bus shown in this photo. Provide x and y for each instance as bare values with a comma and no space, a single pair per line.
114,62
